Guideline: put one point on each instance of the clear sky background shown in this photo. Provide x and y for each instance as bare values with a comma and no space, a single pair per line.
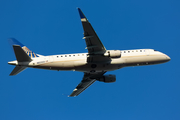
53,27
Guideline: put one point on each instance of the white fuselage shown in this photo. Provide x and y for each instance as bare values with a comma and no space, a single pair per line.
78,62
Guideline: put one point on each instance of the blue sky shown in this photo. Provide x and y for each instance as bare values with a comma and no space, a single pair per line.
54,27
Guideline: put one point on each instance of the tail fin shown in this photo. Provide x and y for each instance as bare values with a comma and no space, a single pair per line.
22,53
30,53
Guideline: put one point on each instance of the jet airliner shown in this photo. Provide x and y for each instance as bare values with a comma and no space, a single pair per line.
95,63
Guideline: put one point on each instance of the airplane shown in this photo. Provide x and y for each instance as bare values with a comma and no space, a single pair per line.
95,63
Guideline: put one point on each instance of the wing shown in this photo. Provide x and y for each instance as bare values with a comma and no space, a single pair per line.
93,43
88,80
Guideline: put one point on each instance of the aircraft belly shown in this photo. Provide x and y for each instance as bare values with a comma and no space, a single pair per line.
57,65
100,66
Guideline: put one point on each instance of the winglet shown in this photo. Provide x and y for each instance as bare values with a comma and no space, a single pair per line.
82,16
81,13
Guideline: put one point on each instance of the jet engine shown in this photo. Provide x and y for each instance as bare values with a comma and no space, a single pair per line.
107,78
113,53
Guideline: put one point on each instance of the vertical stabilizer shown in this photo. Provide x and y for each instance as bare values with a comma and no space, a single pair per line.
20,54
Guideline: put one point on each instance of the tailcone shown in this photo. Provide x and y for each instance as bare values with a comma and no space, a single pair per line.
13,62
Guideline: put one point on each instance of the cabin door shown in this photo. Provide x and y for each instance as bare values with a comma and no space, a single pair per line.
147,52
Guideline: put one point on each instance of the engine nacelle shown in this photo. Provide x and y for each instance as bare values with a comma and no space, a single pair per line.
107,78
113,53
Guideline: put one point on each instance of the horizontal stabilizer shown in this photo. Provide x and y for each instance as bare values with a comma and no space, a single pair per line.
17,70
21,56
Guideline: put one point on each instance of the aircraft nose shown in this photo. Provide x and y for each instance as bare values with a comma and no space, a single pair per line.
168,58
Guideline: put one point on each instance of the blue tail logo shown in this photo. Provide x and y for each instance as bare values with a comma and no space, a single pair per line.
30,53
